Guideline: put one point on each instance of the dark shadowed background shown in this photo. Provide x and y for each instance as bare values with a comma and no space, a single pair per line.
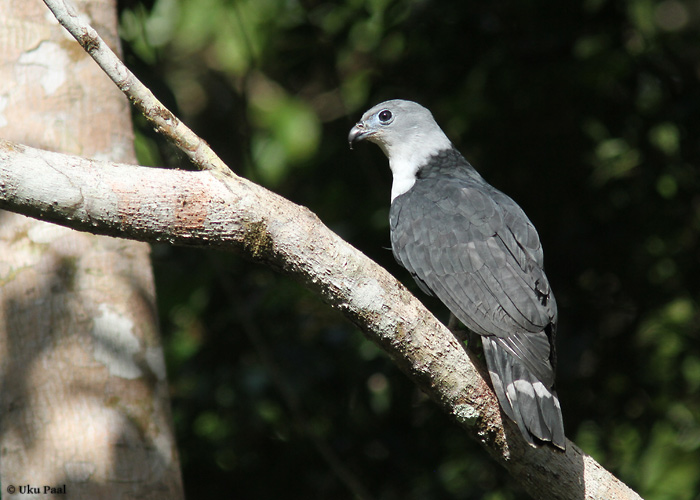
586,112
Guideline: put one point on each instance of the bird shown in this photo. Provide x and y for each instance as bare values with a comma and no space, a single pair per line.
473,247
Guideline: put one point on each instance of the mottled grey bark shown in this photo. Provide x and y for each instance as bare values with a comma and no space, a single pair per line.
83,391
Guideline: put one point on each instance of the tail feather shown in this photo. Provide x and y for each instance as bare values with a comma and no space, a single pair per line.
532,405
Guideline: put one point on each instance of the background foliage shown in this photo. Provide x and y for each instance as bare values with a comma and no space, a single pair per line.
585,112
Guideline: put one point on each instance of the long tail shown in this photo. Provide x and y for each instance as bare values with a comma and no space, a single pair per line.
524,398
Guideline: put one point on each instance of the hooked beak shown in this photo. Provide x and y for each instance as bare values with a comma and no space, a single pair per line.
358,133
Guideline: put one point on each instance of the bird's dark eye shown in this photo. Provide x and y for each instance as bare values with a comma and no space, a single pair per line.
385,116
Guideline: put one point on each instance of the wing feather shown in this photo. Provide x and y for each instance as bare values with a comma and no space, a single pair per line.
475,249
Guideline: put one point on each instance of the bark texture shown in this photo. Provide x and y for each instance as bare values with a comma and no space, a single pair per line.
83,404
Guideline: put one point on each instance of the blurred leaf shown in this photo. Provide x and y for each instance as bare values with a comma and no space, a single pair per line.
615,158
667,472
666,137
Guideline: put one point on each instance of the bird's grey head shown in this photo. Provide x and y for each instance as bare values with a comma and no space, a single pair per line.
408,135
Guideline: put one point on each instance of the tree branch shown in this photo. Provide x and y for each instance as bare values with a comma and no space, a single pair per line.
196,209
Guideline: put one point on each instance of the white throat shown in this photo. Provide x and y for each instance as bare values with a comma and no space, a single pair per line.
404,176
406,158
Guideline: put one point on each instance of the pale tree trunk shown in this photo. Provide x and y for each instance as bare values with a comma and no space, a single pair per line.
84,402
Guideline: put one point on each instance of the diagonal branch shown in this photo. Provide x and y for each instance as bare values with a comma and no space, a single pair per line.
194,208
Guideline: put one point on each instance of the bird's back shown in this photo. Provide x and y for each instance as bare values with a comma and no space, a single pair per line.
475,249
